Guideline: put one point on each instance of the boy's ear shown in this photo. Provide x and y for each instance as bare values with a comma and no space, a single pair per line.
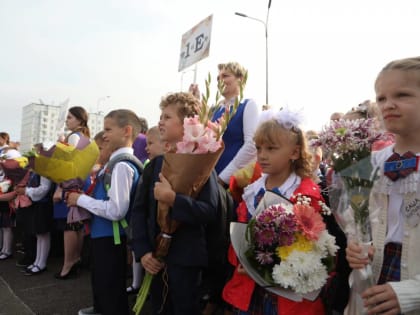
128,131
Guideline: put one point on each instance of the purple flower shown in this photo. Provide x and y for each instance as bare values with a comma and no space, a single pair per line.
264,258
266,217
265,236
344,137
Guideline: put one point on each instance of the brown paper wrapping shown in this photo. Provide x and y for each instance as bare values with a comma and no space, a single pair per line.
187,174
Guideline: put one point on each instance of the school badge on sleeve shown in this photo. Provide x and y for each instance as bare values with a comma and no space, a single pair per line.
411,209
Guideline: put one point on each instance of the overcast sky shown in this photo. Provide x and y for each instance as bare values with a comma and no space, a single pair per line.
323,55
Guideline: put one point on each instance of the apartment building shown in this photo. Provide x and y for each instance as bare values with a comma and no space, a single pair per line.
40,123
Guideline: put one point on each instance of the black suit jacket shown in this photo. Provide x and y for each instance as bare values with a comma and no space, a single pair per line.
188,245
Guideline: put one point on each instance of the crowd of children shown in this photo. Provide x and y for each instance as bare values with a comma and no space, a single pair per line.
121,189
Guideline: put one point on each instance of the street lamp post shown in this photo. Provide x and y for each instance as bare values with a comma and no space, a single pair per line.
266,44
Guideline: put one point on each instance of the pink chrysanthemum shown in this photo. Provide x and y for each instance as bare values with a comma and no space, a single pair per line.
287,229
265,236
266,217
309,221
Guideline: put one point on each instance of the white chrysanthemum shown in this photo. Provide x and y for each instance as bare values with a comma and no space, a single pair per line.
303,262
311,282
284,275
326,244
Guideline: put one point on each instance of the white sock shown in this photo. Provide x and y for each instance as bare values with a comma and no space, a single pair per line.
137,273
7,241
38,246
43,249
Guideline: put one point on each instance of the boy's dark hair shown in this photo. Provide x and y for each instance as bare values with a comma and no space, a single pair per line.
126,117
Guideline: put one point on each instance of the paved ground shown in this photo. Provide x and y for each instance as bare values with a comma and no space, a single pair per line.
43,294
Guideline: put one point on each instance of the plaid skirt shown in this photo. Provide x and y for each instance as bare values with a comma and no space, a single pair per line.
391,264
262,303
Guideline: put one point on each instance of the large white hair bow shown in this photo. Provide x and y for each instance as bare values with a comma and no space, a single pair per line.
285,117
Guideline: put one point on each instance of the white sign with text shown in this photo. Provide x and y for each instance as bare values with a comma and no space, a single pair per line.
195,44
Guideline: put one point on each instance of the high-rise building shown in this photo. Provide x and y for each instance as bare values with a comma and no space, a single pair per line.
40,124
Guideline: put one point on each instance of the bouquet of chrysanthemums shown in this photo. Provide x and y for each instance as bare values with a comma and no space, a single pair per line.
347,141
348,144
290,247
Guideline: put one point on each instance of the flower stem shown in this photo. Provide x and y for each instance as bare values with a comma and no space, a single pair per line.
143,292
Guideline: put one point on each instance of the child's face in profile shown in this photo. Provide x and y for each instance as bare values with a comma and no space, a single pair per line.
104,153
398,99
114,135
72,122
154,146
171,128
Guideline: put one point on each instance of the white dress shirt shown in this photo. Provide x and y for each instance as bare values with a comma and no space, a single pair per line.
116,207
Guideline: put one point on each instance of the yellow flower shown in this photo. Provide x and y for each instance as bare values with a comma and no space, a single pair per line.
23,161
301,244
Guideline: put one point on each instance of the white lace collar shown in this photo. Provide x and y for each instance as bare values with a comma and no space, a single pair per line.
287,189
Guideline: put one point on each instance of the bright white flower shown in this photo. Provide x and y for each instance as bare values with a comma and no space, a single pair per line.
313,281
326,244
304,262
284,275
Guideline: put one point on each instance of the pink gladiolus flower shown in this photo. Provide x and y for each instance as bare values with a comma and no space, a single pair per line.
198,139
185,147
309,221
193,129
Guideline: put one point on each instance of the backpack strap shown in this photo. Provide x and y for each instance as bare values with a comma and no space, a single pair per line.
126,157
138,170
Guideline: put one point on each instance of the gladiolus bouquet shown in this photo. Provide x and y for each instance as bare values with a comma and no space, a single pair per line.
196,155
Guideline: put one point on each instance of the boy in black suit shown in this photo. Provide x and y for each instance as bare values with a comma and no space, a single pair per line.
174,288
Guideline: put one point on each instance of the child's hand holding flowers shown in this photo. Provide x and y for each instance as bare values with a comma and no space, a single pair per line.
71,199
163,191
